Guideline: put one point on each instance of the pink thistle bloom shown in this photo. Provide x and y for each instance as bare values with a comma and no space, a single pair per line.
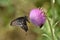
37,17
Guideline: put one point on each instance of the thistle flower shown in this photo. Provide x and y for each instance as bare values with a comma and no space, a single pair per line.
37,17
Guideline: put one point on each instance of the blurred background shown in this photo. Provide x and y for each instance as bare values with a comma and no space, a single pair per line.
11,9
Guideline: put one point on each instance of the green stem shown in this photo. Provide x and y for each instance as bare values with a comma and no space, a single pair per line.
51,29
52,6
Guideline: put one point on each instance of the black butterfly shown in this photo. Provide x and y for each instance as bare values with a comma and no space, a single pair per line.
22,22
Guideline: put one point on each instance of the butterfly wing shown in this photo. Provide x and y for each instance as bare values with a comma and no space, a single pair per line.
25,28
21,22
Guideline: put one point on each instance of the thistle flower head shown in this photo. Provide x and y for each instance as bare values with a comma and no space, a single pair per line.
37,16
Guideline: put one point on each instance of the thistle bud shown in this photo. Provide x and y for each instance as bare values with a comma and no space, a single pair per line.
37,16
